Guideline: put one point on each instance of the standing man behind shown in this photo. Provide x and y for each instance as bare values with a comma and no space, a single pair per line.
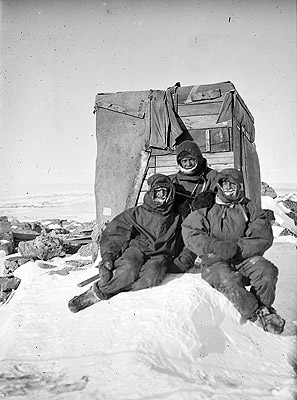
194,180
193,177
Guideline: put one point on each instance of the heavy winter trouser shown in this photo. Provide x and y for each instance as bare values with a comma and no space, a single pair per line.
133,271
258,272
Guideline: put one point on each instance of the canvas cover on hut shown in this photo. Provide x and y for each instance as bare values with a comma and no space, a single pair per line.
137,133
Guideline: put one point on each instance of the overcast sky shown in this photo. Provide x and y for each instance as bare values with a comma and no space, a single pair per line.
56,55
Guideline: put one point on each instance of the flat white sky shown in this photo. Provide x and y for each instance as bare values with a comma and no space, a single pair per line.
56,55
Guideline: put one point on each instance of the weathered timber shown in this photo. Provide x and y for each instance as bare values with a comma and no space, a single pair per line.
211,108
203,122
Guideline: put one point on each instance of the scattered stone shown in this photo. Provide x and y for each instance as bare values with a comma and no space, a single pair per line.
6,235
96,235
63,271
44,265
288,232
71,248
6,296
292,205
267,190
85,250
12,263
72,265
42,248
6,246
8,284
79,263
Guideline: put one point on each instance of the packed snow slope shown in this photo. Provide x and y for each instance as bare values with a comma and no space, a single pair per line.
181,340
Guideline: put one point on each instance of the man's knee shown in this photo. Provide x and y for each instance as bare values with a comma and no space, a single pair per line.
217,273
126,270
153,272
268,269
263,268
149,278
132,256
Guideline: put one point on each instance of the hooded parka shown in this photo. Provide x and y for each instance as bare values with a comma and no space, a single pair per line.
142,241
187,186
231,239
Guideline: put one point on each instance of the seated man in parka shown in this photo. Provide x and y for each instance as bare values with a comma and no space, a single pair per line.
137,246
231,239
193,178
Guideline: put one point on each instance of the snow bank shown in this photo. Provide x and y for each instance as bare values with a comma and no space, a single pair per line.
181,340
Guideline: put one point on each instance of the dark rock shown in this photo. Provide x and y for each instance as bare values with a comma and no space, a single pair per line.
71,248
7,246
44,265
5,297
266,190
14,262
292,205
6,235
85,250
287,232
9,283
96,235
77,264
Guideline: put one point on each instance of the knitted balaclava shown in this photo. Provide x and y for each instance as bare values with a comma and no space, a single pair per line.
190,148
231,175
151,198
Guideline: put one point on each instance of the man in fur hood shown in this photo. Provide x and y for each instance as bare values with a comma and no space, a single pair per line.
194,176
231,238
195,180
137,246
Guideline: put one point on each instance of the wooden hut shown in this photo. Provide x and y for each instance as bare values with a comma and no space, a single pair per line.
137,133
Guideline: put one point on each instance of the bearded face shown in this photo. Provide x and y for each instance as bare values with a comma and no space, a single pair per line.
160,195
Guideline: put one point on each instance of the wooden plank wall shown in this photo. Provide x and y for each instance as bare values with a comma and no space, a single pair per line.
198,118
167,165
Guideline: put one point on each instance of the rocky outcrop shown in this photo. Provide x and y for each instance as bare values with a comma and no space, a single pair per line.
267,190
42,248
7,286
6,235
11,263
44,240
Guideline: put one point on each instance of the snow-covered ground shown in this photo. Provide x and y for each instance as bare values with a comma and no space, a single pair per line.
181,340
38,202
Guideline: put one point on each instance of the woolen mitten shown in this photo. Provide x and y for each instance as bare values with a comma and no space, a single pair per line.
104,275
184,209
223,248
183,262
106,266
204,200
211,259
107,262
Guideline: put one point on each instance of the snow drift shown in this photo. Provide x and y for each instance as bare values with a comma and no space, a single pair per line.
181,340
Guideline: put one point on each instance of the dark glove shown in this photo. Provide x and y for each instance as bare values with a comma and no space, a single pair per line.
105,275
107,262
223,248
183,262
210,259
106,266
204,200
184,209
